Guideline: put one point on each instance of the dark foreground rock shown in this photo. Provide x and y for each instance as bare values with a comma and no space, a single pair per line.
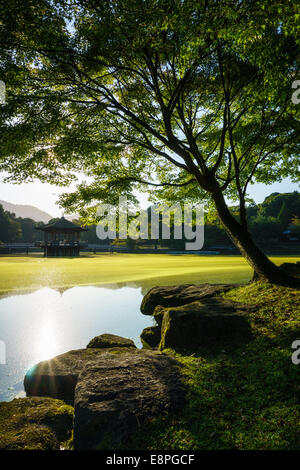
190,317
57,377
120,393
210,324
110,341
34,424
114,390
174,296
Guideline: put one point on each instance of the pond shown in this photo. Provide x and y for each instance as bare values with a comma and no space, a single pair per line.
57,317
47,322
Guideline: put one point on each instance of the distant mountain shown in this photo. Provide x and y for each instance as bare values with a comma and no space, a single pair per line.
72,217
26,211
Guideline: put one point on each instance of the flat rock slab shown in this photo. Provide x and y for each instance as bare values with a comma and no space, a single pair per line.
110,341
173,296
34,424
122,391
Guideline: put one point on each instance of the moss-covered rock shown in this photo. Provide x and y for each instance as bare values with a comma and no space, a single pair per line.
57,377
34,424
150,337
115,391
110,341
173,296
247,398
209,324
120,393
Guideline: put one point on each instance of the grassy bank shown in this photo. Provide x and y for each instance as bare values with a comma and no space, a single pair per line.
244,399
20,273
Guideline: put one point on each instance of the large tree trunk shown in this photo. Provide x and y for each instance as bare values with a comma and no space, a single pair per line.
262,266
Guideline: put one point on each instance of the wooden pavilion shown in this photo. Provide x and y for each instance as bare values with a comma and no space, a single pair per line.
61,238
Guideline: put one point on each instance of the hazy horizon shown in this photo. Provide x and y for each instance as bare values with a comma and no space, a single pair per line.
44,196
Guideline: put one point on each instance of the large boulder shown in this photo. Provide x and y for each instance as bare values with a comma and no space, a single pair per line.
210,324
110,341
174,296
57,377
122,391
114,390
34,424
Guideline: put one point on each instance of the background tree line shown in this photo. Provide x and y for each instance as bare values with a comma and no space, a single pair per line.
267,222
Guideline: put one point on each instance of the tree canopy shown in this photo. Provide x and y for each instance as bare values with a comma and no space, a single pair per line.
192,98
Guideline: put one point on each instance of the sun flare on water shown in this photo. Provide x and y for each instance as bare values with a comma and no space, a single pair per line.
46,344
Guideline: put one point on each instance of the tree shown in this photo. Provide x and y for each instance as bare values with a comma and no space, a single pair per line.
284,216
295,226
10,228
265,228
28,230
191,98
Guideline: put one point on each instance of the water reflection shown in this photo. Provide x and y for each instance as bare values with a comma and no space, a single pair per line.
46,345
44,323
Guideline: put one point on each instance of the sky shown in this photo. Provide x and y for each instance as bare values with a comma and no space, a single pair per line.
44,196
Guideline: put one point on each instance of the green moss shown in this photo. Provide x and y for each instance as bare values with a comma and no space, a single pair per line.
69,443
30,437
34,423
158,314
120,351
277,316
242,399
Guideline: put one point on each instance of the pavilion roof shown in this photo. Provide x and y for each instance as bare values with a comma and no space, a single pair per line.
62,224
